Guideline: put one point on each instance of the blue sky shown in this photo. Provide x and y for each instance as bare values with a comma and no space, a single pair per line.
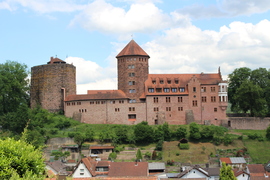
181,36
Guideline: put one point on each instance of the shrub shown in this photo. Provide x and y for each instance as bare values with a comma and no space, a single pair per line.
159,145
112,156
183,145
177,154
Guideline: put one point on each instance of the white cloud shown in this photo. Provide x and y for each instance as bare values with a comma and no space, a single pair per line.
140,17
42,6
91,76
226,8
191,50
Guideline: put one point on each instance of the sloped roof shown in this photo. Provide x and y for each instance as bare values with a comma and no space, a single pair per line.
56,61
101,147
183,80
238,172
98,95
58,167
226,160
156,166
131,49
118,169
197,167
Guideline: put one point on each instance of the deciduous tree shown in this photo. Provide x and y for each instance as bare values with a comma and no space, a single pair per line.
226,173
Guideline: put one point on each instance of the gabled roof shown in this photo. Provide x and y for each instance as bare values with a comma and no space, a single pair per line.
196,167
233,160
56,61
131,49
156,166
118,169
58,167
238,172
98,95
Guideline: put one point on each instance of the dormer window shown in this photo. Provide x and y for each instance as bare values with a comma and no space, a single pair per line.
176,81
161,81
154,82
169,81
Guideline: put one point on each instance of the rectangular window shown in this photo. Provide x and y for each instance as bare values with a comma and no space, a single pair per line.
213,89
117,109
131,83
215,109
168,108
156,109
180,99
132,116
79,103
103,102
121,101
168,99
112,102
169,81
204,99
132,90
97,102
92,102
174,89
68,104
151,90
194,103
182,89
159,90
155,99
132,101
213,98
203,89
180,108
131,74
131,66
176,81
131,108
161,81
194,89
166,89
73,103
154,82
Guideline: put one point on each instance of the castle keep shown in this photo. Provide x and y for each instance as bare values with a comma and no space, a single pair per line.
155,98
51,83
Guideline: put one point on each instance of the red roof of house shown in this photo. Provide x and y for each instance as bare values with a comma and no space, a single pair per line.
226,160
118,169
120,178
131,49
98,95
258,172
101,147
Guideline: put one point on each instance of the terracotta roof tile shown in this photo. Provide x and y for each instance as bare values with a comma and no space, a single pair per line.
182,79
256,168
55,60
226,160
132,48
128,169
101,147
98,95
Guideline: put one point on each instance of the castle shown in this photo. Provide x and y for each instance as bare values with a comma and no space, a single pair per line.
155,98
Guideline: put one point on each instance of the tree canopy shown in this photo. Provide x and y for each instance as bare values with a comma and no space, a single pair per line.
248,91
226,173
14,86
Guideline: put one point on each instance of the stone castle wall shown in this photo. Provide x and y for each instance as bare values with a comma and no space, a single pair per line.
255,123
50,84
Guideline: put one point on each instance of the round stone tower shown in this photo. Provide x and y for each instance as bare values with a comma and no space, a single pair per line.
132,70
51,83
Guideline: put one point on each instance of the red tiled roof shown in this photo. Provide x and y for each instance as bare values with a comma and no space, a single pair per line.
101,147
256,168
55,60
132,48
226,160
128,169
238,172
98,95
183,80
119,178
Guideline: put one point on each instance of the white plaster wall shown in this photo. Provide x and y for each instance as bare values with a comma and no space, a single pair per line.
77,172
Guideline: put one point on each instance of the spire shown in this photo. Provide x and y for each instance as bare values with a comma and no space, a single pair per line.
131,49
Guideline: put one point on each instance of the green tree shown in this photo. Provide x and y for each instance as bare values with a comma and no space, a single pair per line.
60,155
14,86
268,133
181,132
121,134
139,155
236,78
20,160
194,131
166,131
226,172
143,132
79,139
250,98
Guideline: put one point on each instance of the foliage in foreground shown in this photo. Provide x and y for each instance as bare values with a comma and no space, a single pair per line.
20,160
226,172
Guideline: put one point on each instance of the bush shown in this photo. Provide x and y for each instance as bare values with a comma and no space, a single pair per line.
159,145
183,145
112,156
